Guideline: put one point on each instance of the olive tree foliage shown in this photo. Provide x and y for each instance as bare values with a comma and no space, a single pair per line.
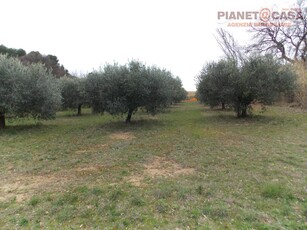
73,93
26,90
243,78
214,83
95,91
259,79
177,90
123,89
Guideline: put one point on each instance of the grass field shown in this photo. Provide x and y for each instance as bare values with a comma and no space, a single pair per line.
188,168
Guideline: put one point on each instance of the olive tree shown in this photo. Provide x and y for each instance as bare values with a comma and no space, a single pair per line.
160,91
123,89
178,93
215,83
73,93
27,90
95,91
259,79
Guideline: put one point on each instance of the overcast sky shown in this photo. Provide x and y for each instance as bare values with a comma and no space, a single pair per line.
85,34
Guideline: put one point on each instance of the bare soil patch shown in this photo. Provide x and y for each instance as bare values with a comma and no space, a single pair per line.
23,187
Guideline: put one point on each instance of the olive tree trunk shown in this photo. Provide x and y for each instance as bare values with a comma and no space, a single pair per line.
223,106
2,120
79,109
128,119
241,111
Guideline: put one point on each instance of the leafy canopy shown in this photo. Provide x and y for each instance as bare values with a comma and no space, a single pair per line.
73,93
123,89
259,78
27,90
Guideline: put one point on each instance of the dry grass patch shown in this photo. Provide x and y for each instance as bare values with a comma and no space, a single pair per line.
22,187
162,167
89,170
159,167
122,136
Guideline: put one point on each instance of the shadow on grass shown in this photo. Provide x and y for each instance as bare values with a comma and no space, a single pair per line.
228,116
72,113
134,125
16,129
21,128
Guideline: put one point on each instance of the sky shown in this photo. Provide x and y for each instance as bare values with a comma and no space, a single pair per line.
178,35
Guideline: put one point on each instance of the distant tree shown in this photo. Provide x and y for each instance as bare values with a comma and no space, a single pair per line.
177,90
160,91
12,52
286,42
73,93
215,83
51,62
232,50
259,79
124,89
20,52
26,91
95,91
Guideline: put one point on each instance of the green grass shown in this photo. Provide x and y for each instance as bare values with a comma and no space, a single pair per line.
187,168
275,191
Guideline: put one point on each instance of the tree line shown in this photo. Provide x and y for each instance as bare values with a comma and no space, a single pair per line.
51,62
32,90
275,63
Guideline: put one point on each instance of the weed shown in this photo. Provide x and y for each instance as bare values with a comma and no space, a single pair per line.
66,213
275,191
161,207
34,201
23,222
67,199
200,190
137,201
97,191
116,194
